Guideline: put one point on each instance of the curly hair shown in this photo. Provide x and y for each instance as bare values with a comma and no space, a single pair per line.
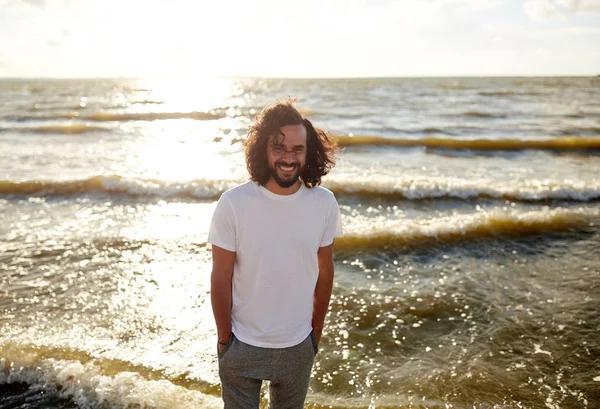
321,149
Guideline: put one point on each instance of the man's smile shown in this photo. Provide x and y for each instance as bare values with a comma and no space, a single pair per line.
287,168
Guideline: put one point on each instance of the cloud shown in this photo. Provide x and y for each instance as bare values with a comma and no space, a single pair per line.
37,3
541,10
520,34
476,4
53,43
583,6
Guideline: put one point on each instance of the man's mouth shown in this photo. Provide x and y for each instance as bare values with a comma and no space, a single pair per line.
286,167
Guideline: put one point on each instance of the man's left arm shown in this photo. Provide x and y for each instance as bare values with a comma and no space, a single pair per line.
323,289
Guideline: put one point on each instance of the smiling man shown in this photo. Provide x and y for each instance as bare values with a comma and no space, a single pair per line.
272,246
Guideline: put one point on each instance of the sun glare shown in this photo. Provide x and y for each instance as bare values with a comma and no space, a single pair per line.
183,94
198,138
178,153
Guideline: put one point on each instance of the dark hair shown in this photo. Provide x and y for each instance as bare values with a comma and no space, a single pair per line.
320,147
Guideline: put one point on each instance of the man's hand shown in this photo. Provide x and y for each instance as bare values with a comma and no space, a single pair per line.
317,332
221,344
220,292
322,290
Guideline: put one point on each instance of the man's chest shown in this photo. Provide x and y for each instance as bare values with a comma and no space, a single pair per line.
296,227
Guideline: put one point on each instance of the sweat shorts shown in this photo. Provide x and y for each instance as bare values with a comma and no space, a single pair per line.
243,367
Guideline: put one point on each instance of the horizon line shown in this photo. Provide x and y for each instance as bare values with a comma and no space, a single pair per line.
126,77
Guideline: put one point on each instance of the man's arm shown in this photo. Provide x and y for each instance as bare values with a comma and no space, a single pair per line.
220,292
323,289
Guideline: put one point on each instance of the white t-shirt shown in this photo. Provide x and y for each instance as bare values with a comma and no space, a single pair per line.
276,239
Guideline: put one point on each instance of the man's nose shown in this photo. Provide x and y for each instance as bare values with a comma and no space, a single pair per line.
290,155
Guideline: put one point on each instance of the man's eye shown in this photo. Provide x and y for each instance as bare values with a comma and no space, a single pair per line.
277,149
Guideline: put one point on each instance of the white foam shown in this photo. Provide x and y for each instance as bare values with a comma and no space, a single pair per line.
537,349
88,387
199,188
458,224
377,185
461,188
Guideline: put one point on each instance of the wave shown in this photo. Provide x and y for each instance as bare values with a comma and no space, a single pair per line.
38,118
125,116
432,130
556,144
120,186
85,382
532,191
426,130
147,102
481,114
152,116
92,382
583,129
211,189
494,93
38,107
71,129
377,233
455,85
405,233
505,92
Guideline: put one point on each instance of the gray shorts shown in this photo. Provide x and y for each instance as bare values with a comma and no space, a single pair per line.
243,367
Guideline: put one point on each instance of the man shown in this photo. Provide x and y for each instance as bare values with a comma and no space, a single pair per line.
272,247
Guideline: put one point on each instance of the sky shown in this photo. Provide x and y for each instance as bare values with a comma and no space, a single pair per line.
302,39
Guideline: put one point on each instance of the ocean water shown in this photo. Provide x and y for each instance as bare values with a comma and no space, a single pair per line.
468,276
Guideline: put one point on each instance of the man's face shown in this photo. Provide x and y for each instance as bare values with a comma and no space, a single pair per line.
287,154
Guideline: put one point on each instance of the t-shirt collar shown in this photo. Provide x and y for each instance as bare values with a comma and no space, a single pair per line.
275,196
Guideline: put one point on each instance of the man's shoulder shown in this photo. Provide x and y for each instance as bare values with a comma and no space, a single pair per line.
240,191
322,193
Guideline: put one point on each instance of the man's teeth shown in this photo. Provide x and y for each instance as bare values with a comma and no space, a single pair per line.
284,167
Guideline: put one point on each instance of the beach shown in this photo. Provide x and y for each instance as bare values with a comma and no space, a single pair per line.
468,275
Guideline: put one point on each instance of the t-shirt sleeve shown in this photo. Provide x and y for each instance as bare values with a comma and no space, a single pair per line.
333,224
222,227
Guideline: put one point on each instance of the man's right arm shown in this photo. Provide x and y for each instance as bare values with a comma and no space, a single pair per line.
220,291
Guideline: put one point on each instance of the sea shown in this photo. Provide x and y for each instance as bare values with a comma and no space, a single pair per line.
468,275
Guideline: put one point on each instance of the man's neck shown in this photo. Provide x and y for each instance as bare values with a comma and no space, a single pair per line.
273,187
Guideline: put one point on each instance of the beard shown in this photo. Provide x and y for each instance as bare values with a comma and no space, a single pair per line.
288,181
